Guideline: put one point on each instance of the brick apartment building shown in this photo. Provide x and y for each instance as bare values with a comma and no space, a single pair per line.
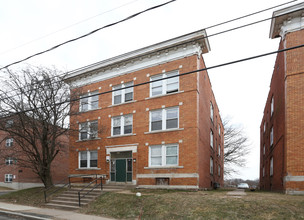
162,134
281,131
15,176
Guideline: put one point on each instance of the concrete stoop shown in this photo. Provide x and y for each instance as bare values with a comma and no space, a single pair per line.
68,200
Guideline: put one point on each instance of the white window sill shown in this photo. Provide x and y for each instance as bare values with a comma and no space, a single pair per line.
160,131
122,103
162,95
90,110
88,139
123,135
85,168
164,167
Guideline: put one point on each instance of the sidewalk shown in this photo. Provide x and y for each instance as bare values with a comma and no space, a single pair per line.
238,193
29,212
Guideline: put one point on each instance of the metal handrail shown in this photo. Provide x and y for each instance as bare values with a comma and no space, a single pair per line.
95,186
51,187
62,181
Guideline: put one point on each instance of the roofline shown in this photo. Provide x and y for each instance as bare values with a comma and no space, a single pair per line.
199,36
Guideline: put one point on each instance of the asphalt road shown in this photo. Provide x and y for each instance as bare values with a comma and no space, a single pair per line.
10,217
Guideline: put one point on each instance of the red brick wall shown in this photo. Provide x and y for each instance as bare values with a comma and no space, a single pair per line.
295,108
187,100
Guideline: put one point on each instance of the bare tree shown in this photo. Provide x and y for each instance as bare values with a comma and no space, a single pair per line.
35,110
236,147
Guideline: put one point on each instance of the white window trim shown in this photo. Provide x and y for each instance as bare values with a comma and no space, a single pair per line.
164,119
8,176
90,94
123,92
272,105
9,142
211,111
271,136
211,166
122,124
88,159
271,167
88,131
211,139
163,156
9,160
164,83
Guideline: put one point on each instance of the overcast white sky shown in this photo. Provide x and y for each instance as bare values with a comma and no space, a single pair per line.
30,26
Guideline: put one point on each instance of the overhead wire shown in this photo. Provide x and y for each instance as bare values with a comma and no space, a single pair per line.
169,77
67,27
208,36
88,34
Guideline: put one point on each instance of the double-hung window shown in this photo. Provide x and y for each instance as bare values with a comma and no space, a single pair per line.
164,119
211,138
122,95
163,155
271,136
8,178
9,161
219,150
271,166
88,101
122,125
165,86
211,165
272,106
88,130
9,142
88,159
219,127
211,111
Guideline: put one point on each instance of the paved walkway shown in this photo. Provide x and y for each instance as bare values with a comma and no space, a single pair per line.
30,212
237,193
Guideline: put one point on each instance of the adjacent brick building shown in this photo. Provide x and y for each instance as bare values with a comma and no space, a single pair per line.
282,136
167,133
15,176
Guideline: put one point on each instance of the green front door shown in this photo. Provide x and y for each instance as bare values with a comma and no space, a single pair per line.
121,170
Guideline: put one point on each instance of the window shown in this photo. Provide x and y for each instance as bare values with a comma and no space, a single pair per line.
122,125
165,86
271,136
211,111
272,106
88,159
211,138
9,142
88,101
88,130
264,126
264,149
219,150
271,166
164,119
219,126
211,165
122,95
219,170
9,161
9,123
263,171
8,178
163,155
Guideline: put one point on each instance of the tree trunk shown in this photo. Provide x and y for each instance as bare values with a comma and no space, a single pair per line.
47,178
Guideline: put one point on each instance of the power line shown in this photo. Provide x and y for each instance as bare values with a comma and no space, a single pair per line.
218,33
179,75
134,15
67,27
90,33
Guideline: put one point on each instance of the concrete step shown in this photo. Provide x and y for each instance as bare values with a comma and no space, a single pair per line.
63,198
60,206
69,203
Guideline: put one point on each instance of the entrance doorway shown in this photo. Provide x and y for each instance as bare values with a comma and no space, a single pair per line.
121,166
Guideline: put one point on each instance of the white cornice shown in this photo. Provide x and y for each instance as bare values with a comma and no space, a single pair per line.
287,20
173,49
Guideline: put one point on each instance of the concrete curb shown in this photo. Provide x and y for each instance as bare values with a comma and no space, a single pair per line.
26,216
